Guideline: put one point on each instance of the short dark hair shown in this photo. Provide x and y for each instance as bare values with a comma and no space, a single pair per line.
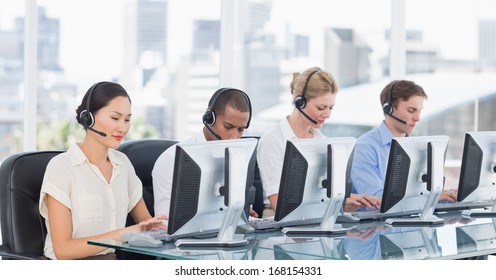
101,95
401,90
234,98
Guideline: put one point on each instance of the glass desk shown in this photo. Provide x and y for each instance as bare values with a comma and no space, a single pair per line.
457,238
260,247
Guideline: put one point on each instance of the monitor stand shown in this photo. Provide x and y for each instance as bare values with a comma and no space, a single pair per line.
327,226
435,182
426,218
226,236
344,217
480,213
237,170
244,227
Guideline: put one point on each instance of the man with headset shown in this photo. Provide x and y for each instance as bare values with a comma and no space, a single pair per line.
402,102
227,116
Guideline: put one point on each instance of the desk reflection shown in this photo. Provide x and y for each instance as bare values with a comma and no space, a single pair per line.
318,247
362,242
417,244
476,237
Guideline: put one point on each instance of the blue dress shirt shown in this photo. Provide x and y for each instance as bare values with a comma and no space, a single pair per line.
370,161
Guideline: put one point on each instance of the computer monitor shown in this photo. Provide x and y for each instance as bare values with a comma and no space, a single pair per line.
208,191
414,179
478,171
313,184
415,244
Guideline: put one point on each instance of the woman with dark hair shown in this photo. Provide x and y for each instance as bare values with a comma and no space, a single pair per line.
88,190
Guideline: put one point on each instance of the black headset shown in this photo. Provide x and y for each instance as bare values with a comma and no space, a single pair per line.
209,115
388,107
86,117
300,101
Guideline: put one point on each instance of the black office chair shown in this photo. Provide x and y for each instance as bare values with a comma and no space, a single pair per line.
255,195
143,154
23,228
258,201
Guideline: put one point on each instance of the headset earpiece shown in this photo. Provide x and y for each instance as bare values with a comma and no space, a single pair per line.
209,117
86,118
300,102
388,106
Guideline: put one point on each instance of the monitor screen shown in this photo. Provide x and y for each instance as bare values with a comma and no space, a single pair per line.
478,170
414,164
210,180
313,174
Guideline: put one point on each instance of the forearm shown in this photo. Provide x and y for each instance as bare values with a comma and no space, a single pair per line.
140,212
79,248
273,201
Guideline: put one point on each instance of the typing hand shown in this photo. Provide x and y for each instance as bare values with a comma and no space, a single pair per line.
448,196
156,222
253,213
361,200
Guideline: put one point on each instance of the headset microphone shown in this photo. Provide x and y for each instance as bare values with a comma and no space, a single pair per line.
212,131
396,118
300,101
307,116
388,107
101,133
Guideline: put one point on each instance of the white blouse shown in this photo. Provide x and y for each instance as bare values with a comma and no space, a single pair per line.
96,206
270,155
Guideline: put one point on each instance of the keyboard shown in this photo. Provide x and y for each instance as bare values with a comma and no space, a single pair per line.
376,214
149,238
270,223
372,214
462,205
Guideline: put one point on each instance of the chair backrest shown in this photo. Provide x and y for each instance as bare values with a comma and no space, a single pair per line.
257,199
143,154
23,228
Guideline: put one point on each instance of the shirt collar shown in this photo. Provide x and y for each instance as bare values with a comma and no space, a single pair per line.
287,131
200,137
385,134
78,157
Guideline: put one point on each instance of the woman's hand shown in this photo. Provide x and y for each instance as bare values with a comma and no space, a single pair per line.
158,222
154,223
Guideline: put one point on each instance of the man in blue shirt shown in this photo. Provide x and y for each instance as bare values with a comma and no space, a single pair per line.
402,102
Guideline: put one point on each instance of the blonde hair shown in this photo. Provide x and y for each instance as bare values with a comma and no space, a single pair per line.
321,82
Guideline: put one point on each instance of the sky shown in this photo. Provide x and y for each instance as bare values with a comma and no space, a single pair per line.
92,32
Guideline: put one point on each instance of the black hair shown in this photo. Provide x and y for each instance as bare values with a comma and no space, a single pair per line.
235,99
101,94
